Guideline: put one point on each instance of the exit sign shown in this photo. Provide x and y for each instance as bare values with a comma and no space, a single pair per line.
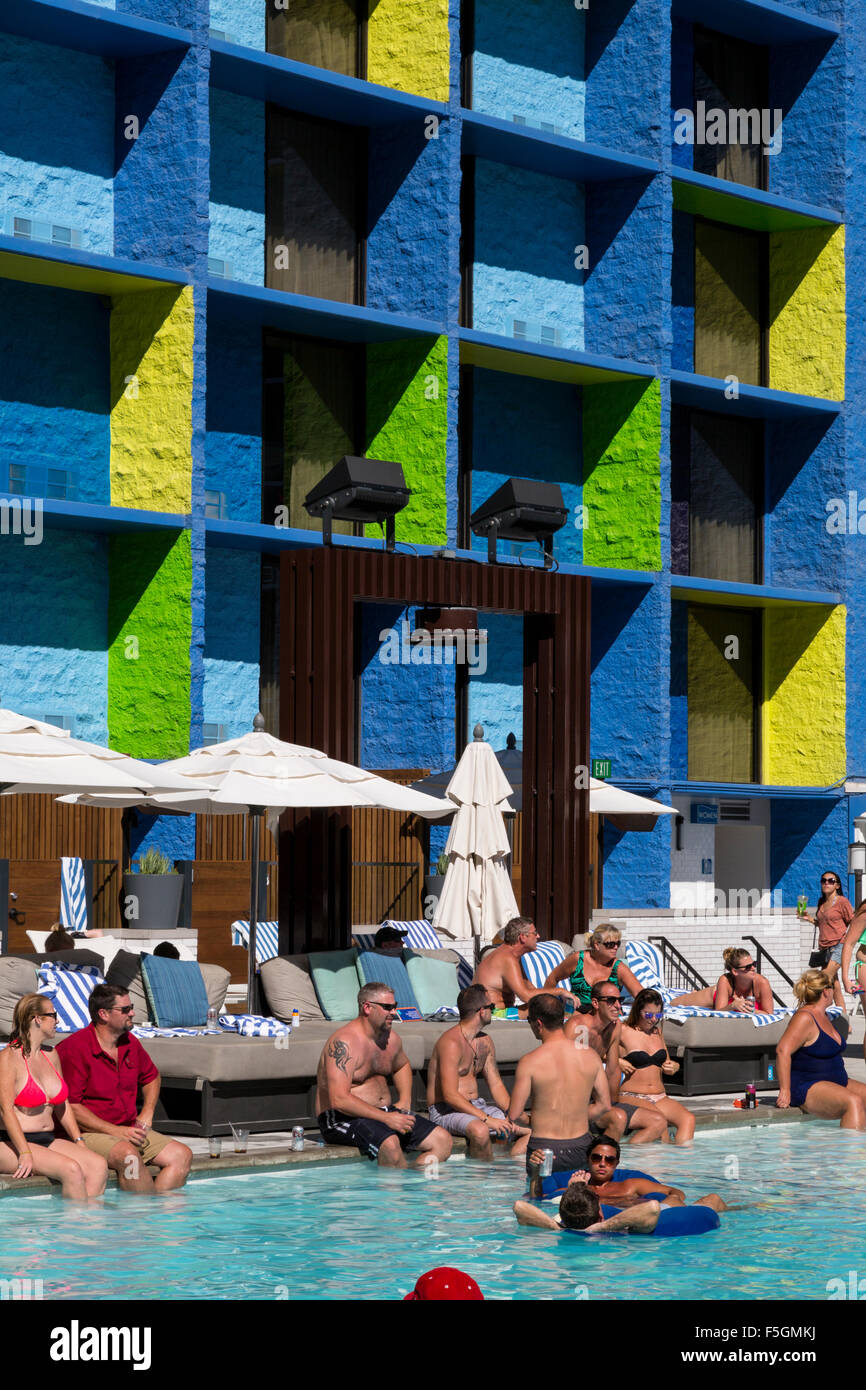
601,768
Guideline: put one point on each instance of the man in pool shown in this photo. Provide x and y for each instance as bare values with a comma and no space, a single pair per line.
628,1192
462,1055
499,970
556,1082
580,1210
353,1102
601,1029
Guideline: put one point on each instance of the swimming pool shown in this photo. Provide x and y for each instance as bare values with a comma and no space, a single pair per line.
352,1232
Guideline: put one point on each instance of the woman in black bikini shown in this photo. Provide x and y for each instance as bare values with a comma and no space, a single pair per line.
643,1051
809,1057
32,1094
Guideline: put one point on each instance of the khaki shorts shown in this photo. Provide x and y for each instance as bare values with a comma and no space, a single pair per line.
104,1143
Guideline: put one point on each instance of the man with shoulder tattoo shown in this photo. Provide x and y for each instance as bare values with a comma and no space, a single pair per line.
353,1102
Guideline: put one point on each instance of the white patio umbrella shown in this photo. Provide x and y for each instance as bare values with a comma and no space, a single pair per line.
625,809
39,757
477,898
257,773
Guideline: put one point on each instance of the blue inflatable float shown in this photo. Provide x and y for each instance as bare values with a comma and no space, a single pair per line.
673,1221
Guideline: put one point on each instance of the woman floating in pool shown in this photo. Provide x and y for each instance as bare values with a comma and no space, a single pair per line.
809,1059
32,1094
643,1047
583,969
740,990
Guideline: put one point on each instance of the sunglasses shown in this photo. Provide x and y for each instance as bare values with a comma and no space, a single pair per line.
126,1009
611,999
602,1158
743,968
652,1018
48,1013
609,944
829,880
388,1008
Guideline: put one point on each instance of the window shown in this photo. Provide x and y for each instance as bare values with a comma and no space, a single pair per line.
730,302
315,200
716,496
724,659
730,76
325,33
211,734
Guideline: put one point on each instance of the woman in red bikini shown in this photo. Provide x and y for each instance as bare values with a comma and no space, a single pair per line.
32,1094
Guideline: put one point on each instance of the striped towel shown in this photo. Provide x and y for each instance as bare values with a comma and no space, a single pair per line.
679,1015
645,962
267,939
254,1026
421,934
73,895
69,987
537,965
148,1030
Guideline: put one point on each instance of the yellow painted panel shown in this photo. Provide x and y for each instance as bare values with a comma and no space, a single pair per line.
408,46
151,400
804,708
807,312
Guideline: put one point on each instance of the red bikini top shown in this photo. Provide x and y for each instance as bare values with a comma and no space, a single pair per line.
32,1094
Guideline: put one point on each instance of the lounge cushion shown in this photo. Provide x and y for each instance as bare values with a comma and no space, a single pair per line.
390,971
288,985
175,992
125,972
335,976
69,988
229,1057
434,981
723,1033
17,978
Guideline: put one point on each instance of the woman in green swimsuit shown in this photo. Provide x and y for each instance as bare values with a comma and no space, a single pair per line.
587,968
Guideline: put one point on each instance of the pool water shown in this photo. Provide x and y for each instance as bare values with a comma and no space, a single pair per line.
351,1231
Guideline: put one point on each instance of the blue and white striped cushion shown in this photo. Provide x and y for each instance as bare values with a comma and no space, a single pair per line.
73,895
420,934
679,1015
69,987
254,1026
645,962
267,939
537,965
149,1030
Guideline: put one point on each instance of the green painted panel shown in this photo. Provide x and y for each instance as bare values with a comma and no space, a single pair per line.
621,477
407,398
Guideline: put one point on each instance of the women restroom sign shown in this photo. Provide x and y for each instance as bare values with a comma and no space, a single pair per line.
704,813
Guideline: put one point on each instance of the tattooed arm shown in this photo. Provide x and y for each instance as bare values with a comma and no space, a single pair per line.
339,1064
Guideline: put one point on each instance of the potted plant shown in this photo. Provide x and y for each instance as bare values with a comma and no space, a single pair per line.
152,893
433,887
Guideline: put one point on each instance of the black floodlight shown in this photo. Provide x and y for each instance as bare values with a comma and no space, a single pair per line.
521,510
359,489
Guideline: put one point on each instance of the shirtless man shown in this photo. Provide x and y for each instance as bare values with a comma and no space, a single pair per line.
499,970
556,1081
460,1056
353,1102
580,1210
601,1029
628,1192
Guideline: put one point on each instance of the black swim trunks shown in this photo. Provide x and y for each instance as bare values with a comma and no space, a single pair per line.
567,1153
358,1132
42,1137
630,1110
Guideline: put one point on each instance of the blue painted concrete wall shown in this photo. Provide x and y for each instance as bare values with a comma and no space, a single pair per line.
496,697
53,633
173,835
626,283
54,387
805,469
57,144
629,680
679,698
855,393
804,80
683,293
234,419
528,61
413,209
231,647
807,837
524,428
682,87
242,20
237,185
627,74
407,712
637,864
526,228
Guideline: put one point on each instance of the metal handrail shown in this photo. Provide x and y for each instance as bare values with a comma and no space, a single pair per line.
673,960
760,952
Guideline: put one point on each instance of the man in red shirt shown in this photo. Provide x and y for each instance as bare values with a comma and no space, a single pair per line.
104,1066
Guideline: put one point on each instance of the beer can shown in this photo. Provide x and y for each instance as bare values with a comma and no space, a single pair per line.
298,1139
546,1167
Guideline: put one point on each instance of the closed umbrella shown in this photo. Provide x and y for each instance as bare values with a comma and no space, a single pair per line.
477,898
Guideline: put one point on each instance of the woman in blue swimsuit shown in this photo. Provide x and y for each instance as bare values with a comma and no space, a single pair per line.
809,1057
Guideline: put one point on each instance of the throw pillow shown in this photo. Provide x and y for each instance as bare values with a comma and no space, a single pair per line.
175,992
390,971
288,985
69,988
335,977
434,981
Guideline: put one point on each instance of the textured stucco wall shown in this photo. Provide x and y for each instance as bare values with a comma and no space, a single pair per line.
237,185
628,65
804,82
408,46
496,696
627,231
525,428
54,397
407,711
806,463
53,628
683,294
57,149
679,696
637,864
804,710
807,837
528,62
627,688
231,650
234,419
807,312
527,226
412,209
149,631
407,392
151,422
242,20
621,479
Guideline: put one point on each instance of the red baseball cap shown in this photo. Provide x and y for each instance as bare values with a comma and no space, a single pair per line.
445,1284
